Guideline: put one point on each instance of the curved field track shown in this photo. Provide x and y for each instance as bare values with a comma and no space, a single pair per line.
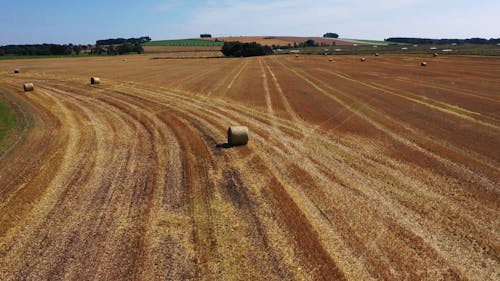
382,170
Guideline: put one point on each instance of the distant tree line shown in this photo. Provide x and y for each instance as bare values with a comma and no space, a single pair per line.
120,49
330,35
410,40
42,50
308,43
119,46
117,41
239,49
311,43
70,49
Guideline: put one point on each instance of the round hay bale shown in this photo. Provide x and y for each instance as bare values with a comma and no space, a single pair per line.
17,70
376,54
28,87
330,59
237,135
296,56
423,63
95,80
363,59
436,54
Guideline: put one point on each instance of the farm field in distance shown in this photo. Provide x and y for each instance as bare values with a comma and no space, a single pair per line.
375,170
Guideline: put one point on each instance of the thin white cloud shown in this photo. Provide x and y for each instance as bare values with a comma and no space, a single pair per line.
350,18
293,17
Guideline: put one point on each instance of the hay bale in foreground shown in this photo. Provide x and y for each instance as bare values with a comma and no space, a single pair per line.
237,135
363,59
423,63
28,87
17,70
95,80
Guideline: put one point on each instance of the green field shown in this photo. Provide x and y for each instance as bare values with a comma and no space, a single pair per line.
184,42
7,121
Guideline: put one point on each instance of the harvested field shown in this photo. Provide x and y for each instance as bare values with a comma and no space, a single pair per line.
285,40
200,50
263,40
382,170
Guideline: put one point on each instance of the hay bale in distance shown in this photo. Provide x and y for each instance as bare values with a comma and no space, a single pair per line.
330,59
237,135
436,54
376,54
423,63
363,59
17,70
296,56
28,87
95,80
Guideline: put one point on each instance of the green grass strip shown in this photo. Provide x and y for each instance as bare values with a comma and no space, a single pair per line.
7,121
184,42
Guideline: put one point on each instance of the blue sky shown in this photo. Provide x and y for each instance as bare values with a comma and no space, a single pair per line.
63,21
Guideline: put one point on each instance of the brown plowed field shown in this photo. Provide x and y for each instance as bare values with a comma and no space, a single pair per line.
183,51
285,40
382,170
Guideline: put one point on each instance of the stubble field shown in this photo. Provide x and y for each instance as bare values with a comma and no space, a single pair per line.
381,170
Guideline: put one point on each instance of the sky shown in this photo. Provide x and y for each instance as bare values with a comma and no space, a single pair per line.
84,22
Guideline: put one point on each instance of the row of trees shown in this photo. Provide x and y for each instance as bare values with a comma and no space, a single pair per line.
239,49
312,43
308,43
70,49
121,49
410,40
117,41
42,50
